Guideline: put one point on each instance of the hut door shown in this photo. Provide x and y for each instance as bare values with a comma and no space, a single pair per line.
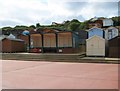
96,47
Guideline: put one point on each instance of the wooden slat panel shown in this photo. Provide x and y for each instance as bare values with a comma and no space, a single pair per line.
64,40
37,40
49,40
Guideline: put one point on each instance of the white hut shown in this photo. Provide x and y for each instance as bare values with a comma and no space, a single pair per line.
95,46
111,32
11,36
95,31
107,22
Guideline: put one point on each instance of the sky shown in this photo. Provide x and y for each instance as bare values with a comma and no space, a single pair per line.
30,12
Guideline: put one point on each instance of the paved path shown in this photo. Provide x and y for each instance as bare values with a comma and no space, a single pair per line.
58,75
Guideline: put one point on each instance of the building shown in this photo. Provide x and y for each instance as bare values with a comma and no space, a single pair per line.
95,46
83,35
111,32
100,22
51,40
96,31
114,47
25,36
107,22
11,44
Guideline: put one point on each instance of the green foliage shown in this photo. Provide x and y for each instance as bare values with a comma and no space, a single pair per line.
75,20
72,25
83,25
38,25
116,20
32,26
7,30
21,27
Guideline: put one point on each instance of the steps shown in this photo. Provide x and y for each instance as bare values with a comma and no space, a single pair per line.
56,58
32,56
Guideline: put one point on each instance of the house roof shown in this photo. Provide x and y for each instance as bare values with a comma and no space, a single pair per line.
14,39
45,30
111,27
49,30
94,37
2,37
114,38
96,18
93,28
118,30
11,36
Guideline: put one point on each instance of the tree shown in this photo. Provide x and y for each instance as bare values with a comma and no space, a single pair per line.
7,30
38,25
32,26
83,25
75,20
74,26
22,27
116,20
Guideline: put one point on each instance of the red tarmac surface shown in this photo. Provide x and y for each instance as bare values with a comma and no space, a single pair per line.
58,75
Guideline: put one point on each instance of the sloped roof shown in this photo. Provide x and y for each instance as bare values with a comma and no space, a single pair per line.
49,30
96,18
14,39
94,37
11,36
2,37
93,28
111,27
45,30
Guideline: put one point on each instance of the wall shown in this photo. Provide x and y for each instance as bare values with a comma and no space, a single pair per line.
109,35
6,45
114,47
36,40
107,22
95,31
65,39
12,46
95,46
17,46
68,50
83,35
25,38
49,40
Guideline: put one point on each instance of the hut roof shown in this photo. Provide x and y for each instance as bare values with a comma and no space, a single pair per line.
95,36
2,37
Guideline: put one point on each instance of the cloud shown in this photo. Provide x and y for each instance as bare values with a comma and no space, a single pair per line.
91,9
119,8
28,12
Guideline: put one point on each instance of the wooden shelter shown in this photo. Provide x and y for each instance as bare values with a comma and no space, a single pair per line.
114,47
26,40
96,31
95,46
83,35
111,32
100,22
51,40
12,45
